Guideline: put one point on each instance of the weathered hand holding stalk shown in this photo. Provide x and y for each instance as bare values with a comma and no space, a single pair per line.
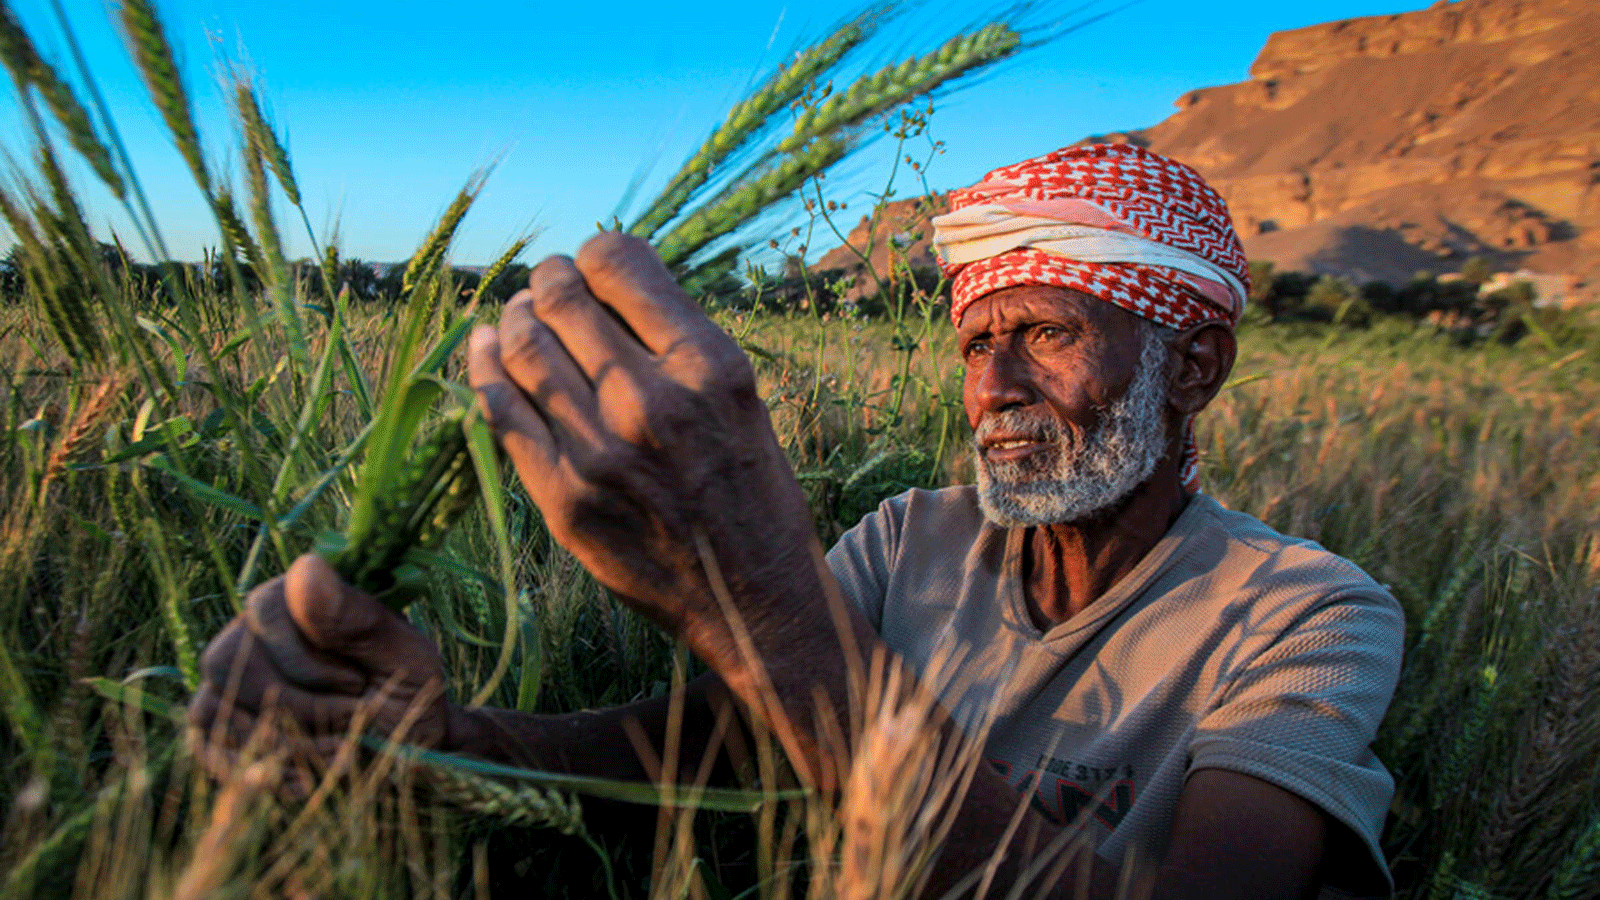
417,507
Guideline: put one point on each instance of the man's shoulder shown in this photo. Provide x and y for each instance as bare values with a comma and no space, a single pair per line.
919,527
1230,540
957,503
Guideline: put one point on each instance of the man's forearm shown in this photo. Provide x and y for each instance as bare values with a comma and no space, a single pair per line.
606,743
711,741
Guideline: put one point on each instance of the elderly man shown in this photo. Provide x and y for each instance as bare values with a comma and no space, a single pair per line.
1196,689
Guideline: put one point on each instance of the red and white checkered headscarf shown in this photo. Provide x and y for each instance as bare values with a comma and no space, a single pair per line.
1113,221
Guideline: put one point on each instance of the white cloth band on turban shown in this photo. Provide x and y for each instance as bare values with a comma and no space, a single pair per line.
986,230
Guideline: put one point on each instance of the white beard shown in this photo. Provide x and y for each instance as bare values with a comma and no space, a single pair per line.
1072,481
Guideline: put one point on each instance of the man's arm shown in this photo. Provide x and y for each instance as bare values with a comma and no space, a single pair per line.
1236,836
316,652
697,731
635,426
634,422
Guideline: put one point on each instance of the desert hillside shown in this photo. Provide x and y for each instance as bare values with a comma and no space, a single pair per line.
1377,147
1374,147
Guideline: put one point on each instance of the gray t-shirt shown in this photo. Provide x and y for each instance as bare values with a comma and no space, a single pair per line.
1228,646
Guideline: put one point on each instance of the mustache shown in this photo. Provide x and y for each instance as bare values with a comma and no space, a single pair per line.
1030,424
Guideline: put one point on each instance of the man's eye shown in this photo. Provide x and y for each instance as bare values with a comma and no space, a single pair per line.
1050,334
974,349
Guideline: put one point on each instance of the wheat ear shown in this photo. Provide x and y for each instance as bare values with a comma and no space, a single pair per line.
746,118
234,233
28,67
525,805
499,265
430,256
746,199
53,273
152,53
432,492
266,141
1579,872
893,85
84,425
1545,755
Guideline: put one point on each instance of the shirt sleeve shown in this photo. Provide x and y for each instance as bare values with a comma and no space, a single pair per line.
862,558
1302,715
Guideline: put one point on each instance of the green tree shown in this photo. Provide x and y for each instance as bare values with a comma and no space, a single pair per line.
1337,300
1476,270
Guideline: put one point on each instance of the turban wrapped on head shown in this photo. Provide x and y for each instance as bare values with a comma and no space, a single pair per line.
1113,221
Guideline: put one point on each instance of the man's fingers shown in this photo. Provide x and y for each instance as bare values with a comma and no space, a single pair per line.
220,661
267,612
519,427
225,741
338,619
628,276
596,341
538,363
249,681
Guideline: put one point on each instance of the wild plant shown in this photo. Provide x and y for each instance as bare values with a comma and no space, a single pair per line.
205,444
167,447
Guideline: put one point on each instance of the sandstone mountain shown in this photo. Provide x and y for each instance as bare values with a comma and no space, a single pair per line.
1377,147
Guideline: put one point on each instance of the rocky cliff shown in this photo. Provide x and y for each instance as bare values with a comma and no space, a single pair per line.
1377,147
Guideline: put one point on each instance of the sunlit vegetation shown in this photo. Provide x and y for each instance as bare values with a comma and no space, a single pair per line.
172,435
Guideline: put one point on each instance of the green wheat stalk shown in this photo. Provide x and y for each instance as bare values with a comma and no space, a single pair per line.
411,508
29,68
260,144
51,269
526,805
1468,741
235,235
819,138
499,265
37,271
747,117
265,140
152,52
1579,872
896,84
747,198
430,256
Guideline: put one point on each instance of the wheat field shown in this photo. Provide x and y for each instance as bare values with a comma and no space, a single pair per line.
173,435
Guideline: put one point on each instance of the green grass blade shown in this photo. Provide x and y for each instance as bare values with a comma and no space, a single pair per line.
706,798
208,493
486,461
353,373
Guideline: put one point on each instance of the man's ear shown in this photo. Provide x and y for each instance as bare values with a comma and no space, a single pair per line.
1205,357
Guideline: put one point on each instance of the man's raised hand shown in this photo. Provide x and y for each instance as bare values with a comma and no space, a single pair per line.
635,425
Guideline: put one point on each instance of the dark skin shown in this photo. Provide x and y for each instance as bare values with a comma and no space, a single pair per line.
653,460
1033,346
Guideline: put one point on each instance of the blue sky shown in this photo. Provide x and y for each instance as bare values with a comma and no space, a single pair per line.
390,106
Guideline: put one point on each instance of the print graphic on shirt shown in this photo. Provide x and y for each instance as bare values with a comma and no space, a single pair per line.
1066,792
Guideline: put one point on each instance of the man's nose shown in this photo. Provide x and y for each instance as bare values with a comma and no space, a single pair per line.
1004,382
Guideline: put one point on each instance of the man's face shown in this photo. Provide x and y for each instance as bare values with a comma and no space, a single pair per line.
1066,395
